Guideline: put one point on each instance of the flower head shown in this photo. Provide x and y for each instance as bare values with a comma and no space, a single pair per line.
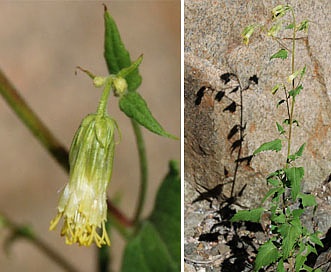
279,11
247,33
82,204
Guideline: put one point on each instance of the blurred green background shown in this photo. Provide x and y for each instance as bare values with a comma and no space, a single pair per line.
41,44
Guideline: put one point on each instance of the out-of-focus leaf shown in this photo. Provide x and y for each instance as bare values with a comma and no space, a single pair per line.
156,247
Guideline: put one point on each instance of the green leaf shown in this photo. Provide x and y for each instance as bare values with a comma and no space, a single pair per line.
295,91
299,261
297,213
303,71
300,150
280,266
290,26
303,25
294,175
281,54
300,72
275,145
272,192
290,237
156,247
275,88
273,182
147,252
276,173
307,200
116,55
135,107
315,239
267,254
309,269
280,128
250,215
278,218
273,31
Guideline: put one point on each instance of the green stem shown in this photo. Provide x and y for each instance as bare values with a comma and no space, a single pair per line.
293,99
143,170
26,232
102,108
31,120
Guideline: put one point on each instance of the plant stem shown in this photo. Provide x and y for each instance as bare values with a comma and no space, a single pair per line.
26,232
293,99
31,120
102,108
143,170
114,211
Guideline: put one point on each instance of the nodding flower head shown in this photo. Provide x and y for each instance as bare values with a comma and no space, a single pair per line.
82,204
247,33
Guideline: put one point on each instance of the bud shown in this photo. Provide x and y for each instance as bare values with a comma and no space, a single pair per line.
99,81
120,86
247,33
279,11
273,31
83,201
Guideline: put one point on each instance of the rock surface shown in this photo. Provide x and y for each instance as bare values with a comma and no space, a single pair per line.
212,48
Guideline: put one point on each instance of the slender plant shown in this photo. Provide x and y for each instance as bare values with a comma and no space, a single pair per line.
153,243
290,242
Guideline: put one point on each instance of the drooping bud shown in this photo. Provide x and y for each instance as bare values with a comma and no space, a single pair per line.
247,33
83,201
279,11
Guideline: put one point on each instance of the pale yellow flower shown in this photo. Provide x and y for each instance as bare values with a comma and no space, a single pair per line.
82,204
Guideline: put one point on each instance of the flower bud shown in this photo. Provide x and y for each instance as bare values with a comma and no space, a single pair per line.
279,11
99,81
247,33
120,86
83,201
